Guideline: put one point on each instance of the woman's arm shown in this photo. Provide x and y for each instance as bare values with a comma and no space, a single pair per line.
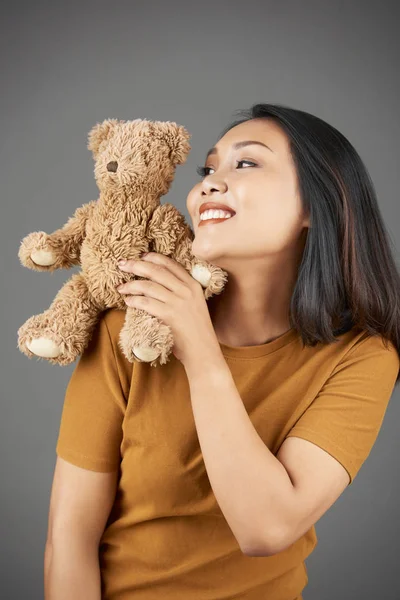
71,570
80,504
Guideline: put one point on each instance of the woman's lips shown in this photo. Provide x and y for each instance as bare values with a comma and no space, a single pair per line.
214,221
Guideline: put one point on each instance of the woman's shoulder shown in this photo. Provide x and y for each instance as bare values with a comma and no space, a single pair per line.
114,319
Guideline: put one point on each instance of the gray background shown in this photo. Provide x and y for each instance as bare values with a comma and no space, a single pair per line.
66,66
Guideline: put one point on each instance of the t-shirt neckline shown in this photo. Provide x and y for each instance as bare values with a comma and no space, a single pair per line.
259,349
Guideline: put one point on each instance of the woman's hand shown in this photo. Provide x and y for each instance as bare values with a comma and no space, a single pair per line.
175,297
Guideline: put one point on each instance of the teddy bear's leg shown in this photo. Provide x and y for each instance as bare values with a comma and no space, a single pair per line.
145,338
61,332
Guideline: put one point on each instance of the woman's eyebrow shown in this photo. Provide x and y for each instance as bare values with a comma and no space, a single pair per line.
214,150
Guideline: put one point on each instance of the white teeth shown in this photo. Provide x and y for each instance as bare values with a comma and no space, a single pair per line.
215,214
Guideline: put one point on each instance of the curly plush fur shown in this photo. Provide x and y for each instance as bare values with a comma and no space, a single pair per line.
135,164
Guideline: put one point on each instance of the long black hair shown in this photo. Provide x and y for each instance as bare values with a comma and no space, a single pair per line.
347,277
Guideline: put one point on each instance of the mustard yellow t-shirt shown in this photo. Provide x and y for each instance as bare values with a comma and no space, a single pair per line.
166,537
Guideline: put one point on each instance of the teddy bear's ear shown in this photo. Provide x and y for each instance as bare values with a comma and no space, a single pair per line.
101,132
177,138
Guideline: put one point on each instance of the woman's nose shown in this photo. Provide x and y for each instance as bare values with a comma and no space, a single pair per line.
210,186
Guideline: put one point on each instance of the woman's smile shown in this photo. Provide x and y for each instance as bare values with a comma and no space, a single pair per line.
214,221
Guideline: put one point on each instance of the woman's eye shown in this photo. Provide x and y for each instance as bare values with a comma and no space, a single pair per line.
203,171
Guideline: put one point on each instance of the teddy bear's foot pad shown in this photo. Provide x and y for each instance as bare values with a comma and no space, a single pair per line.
145,353
44,347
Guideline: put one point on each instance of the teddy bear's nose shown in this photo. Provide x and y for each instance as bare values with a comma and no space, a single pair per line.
112,166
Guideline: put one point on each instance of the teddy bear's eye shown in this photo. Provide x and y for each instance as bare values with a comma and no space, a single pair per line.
112,166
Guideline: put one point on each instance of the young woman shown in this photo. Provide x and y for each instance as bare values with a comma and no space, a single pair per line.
203,479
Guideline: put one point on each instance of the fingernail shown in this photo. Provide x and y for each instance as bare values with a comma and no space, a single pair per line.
121,262
143,254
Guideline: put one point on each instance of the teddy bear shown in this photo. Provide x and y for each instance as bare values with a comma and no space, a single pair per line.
135,163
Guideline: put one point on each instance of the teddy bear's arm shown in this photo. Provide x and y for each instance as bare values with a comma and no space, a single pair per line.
58,250
170,234
72,234
166,228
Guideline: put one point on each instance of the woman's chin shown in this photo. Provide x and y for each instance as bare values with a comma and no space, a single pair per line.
205,252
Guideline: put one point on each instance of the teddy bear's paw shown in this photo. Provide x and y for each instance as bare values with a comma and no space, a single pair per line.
44,258
201,274
211,277
37,338
152,343
44,347
133,348
35,252
145,353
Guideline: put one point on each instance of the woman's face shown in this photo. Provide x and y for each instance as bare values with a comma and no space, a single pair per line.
262,190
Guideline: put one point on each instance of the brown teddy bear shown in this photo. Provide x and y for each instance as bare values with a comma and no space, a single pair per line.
135,164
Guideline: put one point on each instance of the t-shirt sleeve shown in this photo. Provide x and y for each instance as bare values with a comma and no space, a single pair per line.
90,432
346,416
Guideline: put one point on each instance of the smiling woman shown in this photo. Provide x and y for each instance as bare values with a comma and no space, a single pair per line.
307,217
278,387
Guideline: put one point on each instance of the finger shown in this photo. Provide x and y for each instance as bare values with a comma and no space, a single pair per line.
176,268
158,273
150,305
148,288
